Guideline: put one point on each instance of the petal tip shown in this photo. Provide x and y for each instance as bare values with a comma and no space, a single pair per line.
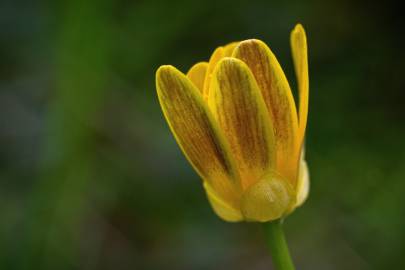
166,75
250,48
227,62
164,69
199,65
234,61
250,42
298,30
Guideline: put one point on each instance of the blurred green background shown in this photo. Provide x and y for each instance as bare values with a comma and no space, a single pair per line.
91,178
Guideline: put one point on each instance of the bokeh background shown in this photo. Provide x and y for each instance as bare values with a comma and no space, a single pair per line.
91,178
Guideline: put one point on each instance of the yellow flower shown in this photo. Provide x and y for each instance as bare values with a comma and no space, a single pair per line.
235,120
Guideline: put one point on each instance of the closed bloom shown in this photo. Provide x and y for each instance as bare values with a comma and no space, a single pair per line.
235,119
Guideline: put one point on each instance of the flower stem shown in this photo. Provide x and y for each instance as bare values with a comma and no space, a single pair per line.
278,245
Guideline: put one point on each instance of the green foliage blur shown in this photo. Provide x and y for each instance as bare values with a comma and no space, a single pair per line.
91,178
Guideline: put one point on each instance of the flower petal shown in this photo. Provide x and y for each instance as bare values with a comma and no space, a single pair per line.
196,74
196,131
267,199
238,106
279,100
223,209
229,48
217,55
302,184
298,42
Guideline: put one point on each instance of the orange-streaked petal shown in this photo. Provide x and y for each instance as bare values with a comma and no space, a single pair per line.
217,55
298,42
196,131
279,100
238,106
196,74
223,209
268,199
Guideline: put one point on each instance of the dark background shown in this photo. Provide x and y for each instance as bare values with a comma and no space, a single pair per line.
91,178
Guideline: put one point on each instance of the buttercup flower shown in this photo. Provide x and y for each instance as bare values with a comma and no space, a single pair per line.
236,121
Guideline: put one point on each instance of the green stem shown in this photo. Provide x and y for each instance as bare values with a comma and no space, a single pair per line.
278,245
